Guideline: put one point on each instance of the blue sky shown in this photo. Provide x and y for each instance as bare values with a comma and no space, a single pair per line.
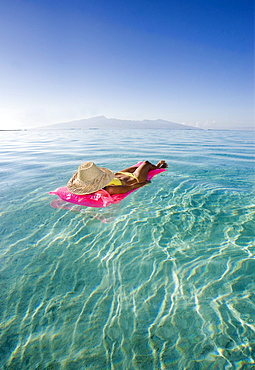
186,61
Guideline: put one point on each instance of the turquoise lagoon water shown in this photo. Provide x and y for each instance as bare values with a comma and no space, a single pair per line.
163,280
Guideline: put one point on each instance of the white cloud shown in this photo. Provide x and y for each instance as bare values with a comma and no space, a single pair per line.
206,125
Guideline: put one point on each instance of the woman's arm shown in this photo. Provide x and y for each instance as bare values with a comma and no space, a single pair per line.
122,189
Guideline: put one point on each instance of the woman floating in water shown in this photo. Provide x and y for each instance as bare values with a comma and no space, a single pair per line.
89,178
93,186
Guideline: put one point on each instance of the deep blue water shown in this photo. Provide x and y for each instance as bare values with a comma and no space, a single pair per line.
163,280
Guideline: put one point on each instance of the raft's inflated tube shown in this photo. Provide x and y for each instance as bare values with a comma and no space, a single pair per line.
100,198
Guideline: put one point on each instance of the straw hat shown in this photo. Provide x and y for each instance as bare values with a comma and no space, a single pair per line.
89,178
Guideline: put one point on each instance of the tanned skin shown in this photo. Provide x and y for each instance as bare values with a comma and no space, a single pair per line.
128,182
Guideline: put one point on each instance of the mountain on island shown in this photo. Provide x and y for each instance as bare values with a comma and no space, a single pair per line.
103,123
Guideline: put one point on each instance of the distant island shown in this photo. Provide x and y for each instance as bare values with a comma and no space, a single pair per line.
103,123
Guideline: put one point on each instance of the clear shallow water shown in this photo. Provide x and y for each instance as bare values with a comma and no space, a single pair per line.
164,280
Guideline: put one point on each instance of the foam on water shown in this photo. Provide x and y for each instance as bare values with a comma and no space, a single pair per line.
163,280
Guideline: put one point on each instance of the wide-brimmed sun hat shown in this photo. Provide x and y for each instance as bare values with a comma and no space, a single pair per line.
89,178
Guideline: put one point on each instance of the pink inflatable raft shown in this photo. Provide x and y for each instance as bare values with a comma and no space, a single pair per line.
100,198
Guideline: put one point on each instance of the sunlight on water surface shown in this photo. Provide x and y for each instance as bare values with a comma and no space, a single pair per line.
163,280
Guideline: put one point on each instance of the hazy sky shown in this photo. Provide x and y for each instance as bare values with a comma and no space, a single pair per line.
187,61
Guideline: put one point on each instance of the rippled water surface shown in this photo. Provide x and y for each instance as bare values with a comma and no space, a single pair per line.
163,280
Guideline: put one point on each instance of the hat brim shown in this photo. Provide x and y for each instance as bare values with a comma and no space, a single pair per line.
78,187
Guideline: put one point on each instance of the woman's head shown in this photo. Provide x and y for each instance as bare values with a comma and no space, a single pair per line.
89,178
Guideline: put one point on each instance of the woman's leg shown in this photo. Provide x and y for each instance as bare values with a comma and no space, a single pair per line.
160,164
141,172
